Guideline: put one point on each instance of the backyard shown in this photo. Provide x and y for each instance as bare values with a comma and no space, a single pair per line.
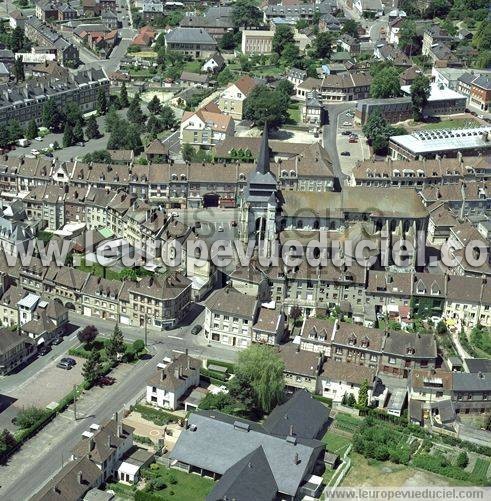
451,123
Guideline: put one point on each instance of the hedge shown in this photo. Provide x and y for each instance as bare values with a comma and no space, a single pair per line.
230,367
211,379
324,400
215,375
142,440
157,416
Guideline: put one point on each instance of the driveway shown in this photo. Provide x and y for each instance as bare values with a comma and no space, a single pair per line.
357,151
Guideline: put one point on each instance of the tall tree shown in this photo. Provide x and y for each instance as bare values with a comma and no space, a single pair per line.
78,133
268,105
123,96
155,106
68,136
32,130
282,37
73,114
408,37
245,13
350,27
386,83
323,45
92,129
116,344
101,102
19,70
112,120
363,395
15,131
187,152
420,93
134,113
264,370
50,116
167,117
154,126
17,39
92,368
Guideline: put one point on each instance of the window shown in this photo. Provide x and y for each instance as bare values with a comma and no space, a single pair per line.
392,360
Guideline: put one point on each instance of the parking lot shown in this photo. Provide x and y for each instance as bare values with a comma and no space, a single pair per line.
49,385
350,152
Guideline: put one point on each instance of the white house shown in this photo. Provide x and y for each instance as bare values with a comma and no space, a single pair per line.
394,29
341,378
233,98
368,6
166,387
214,64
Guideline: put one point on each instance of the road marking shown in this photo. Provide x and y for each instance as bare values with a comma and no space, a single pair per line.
176,337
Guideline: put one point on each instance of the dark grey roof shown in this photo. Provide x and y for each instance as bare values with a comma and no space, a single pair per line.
216,442
474,381
249,478
190,35
399,342
263,158
446,411
302,414
478,364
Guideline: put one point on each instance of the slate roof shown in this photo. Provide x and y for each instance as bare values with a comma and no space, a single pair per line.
190,35
474,381
9,340
229,300
249,478
215,442
398,343
302,414
173,376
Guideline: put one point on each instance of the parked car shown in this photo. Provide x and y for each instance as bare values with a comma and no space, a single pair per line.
39,138
345,154
347,124
34,151
64,365
353,140
57,340
44,350
196,330
346,133
69,360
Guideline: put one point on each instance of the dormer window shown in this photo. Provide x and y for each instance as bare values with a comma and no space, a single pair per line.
365,342
352,340
410,350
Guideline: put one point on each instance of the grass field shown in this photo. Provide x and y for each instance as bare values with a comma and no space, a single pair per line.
371,473
346,422
451,123
193,66
294,113
336,443
481,468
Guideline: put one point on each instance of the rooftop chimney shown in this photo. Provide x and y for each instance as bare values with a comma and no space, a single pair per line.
80,480
295,459
91,444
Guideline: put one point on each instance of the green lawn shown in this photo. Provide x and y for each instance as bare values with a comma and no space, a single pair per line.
336,443
347,422
99,270
481,468
179,485
294,113
192,66
451,123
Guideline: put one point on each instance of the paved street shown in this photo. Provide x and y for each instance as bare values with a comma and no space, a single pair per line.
42,456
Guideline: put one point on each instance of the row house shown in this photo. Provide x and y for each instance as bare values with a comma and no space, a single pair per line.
46,204
419,173
162,301
15,349
100,298
229,317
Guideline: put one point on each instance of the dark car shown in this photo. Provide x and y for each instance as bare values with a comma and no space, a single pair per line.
346,133
44,350
69,360
345,154
57,340
196,330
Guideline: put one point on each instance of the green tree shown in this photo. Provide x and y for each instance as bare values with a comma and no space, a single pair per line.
351,400
78,133
101,102
92,368
138,346
116,345
100,156
351,28
112,120
482,37
187,152
438,8
323,45
32,130
462,460
265,104
225,76
7,442
228,41
73,114
285,87
290,55
386,83
68,136
4,137
19,70
154,126
363,395
50,116
29,416
167,117
155,106
17,39
123,97
264,370
408,37
441,327
92,129
134,113
245,13
15,131
420,93
295,313
282,36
